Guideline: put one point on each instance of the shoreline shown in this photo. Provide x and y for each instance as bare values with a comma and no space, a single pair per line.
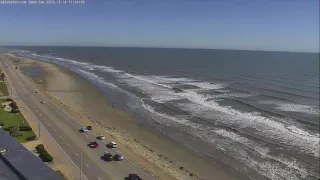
144,145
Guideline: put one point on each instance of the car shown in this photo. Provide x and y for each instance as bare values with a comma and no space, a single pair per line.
101,137
42,102
93,144
112,145
36,92
89,127
107,156
118,157
83,129
133,176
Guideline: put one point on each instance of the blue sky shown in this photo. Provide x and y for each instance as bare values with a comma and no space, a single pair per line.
282,25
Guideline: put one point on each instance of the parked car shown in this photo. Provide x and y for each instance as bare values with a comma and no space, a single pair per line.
133,176
112,145
42,102
107,156
118,157
93,144
101,137
89,127
83,129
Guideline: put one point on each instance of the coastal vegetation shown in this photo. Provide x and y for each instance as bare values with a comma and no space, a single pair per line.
43,153
16,125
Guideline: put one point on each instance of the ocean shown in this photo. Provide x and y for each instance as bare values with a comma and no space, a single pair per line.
255,112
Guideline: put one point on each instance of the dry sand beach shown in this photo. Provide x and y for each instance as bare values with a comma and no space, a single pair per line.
162,156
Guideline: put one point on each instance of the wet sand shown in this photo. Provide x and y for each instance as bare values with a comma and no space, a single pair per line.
163,157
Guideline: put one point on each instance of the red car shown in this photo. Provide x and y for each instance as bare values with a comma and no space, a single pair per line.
93,144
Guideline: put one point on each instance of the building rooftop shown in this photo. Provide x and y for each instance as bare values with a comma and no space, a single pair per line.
19,163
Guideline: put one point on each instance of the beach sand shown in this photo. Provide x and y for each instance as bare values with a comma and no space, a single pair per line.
163,157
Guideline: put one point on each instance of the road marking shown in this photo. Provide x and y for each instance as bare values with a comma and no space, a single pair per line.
60,137
87,165
54,130
77,154
68,145
98,177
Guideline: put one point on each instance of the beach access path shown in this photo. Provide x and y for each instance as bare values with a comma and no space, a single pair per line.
64,130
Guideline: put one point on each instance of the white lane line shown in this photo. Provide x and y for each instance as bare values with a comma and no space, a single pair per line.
77,154
98,177
60,137
68,145
87,165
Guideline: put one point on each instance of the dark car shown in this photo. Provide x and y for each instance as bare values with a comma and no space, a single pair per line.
93,144
133,177
89,127
107,156
118,157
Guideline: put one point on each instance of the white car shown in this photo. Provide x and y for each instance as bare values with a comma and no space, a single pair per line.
101,137
84,129
112,145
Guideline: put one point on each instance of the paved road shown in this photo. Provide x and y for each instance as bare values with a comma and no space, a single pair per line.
64,129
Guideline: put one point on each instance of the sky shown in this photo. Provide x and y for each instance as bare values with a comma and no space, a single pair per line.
280,25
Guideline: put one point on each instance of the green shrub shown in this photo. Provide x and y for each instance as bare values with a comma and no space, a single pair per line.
40,148
25,128
31,138
1,124
14,131
45,157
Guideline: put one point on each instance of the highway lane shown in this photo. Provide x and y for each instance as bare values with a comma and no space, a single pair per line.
64,129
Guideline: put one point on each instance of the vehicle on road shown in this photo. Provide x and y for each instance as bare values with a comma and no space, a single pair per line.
93,144
101,137
133,176
89,127
112,145
83,129
107,156
118,157
36,92
42,102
